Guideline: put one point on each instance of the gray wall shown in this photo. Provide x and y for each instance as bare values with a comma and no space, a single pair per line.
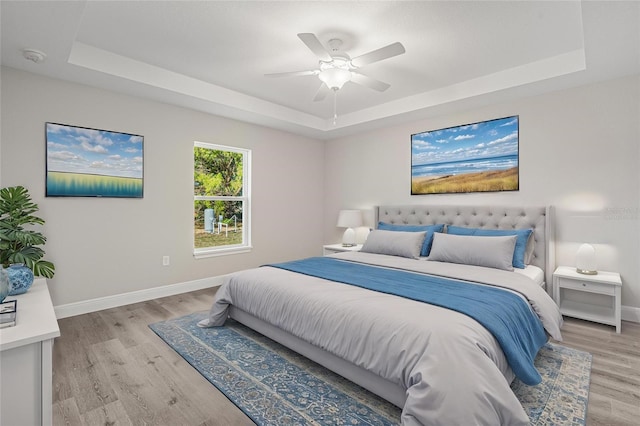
104,247
579,151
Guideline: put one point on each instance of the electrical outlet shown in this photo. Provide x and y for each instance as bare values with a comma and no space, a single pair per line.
165,260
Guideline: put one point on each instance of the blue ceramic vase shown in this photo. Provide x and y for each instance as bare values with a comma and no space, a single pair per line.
4,284
20,278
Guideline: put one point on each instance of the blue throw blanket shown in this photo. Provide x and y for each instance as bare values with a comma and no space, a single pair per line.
505,314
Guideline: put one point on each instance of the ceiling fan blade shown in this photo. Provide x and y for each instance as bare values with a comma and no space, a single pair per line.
322,93
315,46
386,52
291,74
369,82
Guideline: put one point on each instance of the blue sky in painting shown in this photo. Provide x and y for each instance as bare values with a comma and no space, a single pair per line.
487,139
97,152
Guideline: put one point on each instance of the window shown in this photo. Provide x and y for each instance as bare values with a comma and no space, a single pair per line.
221,199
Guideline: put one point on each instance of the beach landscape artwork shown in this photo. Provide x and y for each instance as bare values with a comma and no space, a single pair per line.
85,162
477,157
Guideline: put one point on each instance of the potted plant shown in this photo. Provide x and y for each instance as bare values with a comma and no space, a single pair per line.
20,245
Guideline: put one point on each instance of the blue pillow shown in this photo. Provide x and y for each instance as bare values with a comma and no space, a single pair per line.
426,246
521,241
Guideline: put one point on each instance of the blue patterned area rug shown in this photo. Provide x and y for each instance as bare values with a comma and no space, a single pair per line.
275,386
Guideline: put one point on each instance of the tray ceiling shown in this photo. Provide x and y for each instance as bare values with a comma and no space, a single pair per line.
212,56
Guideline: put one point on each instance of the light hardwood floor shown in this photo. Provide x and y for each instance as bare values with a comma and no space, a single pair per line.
109,368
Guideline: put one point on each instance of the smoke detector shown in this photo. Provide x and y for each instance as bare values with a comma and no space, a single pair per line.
34,55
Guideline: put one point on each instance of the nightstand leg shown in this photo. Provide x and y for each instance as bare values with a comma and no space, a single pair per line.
618,309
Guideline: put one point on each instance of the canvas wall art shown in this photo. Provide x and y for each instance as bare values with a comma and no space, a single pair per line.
477,157
85,162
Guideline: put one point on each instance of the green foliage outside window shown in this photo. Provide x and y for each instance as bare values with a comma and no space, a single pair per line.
218,173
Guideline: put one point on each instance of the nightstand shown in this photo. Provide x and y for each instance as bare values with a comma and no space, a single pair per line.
602,305
337,248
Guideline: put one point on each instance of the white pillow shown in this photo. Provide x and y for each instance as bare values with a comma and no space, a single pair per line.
394,243
490,251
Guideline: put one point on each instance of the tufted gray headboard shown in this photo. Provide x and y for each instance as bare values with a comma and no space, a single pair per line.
490,217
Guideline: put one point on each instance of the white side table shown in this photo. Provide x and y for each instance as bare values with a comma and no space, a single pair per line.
566,280
337,248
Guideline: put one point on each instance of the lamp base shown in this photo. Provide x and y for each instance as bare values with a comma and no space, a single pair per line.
349,238
586,272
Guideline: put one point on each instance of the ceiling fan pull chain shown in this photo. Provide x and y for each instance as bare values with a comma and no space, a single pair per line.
335,102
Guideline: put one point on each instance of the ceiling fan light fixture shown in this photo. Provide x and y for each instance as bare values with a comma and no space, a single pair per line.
336,67
335,78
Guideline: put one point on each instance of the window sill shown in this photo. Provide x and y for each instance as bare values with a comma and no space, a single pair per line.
204,253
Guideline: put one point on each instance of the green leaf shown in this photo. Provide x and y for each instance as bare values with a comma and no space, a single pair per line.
29,238
43,268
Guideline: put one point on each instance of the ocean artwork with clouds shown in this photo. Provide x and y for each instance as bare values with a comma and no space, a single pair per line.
477,157
85,162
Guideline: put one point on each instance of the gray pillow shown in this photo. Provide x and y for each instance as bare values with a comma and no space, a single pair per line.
394,243
492,252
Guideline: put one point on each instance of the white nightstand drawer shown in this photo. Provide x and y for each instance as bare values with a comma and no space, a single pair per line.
590,287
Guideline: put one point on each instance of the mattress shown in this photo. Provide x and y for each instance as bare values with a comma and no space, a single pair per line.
533,272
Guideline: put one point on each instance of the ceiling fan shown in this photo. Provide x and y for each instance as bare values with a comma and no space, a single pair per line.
335,68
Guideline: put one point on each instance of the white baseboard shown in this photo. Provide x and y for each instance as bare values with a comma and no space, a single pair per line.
93,305
630,313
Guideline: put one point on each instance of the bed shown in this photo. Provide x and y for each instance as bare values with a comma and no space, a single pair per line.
441,365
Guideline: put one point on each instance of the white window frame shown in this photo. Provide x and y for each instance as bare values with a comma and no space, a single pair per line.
245,246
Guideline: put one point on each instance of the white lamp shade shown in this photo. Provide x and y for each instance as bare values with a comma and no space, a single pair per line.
349,219
586,260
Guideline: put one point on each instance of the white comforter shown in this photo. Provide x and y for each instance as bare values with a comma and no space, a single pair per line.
453,369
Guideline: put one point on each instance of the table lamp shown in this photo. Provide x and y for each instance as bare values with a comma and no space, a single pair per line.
586,260
349,219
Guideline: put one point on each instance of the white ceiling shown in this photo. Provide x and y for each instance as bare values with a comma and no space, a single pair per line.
212,55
